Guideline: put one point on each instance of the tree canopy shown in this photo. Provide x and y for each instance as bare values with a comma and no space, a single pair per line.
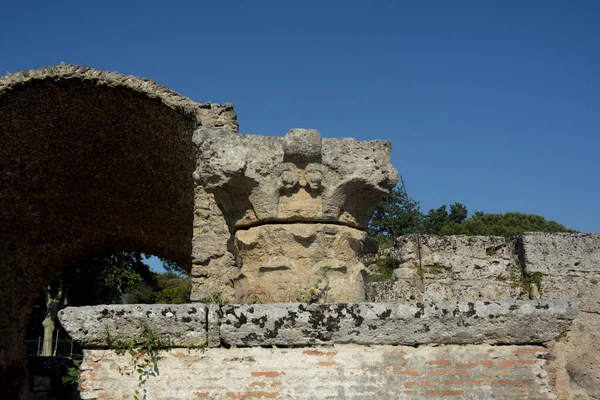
396,215
166,288
399,214
509,224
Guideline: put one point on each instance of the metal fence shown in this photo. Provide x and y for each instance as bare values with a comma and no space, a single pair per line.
60,348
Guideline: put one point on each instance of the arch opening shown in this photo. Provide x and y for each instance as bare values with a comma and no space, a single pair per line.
87,166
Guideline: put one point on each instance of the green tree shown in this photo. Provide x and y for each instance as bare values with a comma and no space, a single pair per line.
436,219
171,266
396,215
167,288
96,280
508,224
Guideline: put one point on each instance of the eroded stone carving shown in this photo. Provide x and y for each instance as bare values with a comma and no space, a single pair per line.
300,178
299,262
297,208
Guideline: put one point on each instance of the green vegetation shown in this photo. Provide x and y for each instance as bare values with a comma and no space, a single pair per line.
563,337
398,214
438,268
166,288
315,293
144,352
72,374
385,271
214,298
509,224
535,278
111,279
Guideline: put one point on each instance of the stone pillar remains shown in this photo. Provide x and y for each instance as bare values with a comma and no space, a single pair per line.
296,208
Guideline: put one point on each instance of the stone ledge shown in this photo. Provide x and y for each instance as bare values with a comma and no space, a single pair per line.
298,324
177,325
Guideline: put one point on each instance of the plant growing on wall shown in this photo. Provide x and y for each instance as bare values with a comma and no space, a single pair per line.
144,353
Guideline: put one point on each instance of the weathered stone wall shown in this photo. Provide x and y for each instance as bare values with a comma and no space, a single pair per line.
569,265
213,264
94,162
335,372
317,351
532,265
447,268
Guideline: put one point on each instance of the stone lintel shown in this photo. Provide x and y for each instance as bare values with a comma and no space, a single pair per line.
300,324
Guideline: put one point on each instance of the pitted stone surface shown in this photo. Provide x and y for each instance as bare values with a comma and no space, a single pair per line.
299,262
255,181
408,324
302,146
569,263
315,184
451,268
176,325
213,266
300,324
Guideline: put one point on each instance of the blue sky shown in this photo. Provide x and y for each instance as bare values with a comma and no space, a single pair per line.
494,104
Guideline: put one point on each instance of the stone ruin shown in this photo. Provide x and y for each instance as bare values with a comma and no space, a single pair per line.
94,162
296,209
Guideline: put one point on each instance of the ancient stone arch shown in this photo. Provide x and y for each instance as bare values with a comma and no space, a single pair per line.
94,161
90,162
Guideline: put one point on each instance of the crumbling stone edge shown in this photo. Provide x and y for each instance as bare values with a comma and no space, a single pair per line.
300,324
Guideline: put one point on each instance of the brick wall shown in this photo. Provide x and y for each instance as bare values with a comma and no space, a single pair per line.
337,372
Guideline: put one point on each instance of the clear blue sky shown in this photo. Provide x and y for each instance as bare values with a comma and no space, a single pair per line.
494,104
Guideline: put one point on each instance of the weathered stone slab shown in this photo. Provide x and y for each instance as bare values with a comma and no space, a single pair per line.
560,254
298,324
569,266
182,325
213,325
415,291
514,322
455,257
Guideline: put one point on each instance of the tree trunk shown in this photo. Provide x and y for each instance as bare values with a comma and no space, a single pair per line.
54,301
48,323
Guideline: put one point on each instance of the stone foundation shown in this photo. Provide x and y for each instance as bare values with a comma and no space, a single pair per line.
479,350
